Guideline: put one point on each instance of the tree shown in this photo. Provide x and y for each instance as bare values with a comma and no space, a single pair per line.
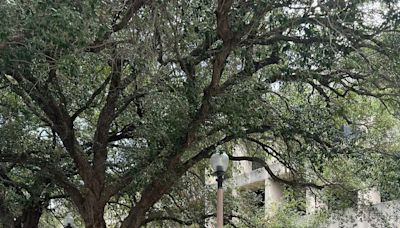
24,191
138,92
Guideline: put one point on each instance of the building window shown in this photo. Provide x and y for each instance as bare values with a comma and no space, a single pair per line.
259,196
256,165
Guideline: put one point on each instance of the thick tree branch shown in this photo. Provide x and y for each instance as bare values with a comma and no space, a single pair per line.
223,28
269,150
91,99
58,115
273,175
206,152
15,40
101,42
247,72
228,37
106,116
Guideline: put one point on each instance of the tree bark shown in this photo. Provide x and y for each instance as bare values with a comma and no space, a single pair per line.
6,218
154,191
150,195
30,217
93,217
92,208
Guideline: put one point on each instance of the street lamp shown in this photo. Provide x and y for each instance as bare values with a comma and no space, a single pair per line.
68,221
219,163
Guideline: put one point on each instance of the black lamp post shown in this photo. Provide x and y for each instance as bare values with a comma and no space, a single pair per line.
219,163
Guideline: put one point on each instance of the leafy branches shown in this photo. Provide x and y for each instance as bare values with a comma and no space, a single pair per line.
134,94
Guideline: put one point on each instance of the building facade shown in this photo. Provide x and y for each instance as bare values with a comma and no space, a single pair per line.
368,211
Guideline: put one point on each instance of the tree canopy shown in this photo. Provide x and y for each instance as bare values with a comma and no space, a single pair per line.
119,101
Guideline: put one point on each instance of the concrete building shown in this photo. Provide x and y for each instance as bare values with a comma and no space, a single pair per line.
368,212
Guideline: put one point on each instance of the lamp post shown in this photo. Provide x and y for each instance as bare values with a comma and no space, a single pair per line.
68,221
219,163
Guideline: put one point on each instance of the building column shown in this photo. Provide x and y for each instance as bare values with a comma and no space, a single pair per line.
369,196
273,196
313,201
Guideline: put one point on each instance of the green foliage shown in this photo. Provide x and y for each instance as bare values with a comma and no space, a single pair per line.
105,101
289,212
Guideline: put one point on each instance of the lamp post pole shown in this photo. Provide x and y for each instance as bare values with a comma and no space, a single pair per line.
219,162
220,200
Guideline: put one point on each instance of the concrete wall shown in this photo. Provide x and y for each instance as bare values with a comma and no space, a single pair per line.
385,215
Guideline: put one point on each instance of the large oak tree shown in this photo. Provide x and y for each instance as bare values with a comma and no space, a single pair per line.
133,94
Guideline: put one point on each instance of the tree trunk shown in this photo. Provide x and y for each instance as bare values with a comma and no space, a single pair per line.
6,223
30,217
135,221
92,212
6,217
94,219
